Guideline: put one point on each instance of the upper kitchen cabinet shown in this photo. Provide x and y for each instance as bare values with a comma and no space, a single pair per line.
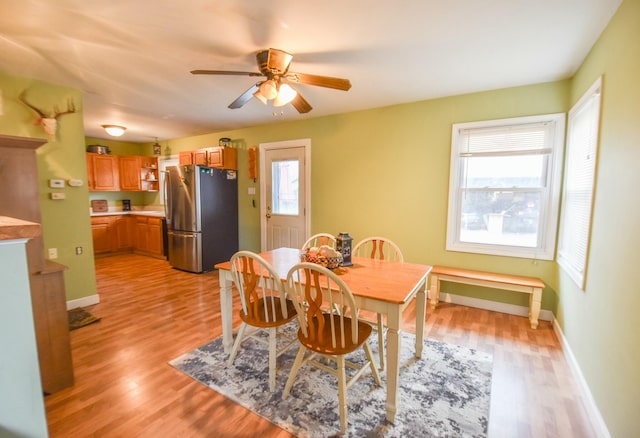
103,172
220,157
224,158
131,173
149,174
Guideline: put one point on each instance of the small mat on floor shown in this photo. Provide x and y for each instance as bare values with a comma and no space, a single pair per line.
444,394
79,318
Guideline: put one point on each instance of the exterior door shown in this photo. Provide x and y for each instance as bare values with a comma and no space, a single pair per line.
284,193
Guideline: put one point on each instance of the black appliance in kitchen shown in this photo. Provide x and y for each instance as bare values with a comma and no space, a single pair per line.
201,208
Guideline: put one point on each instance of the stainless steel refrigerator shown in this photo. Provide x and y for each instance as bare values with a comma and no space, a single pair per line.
201,207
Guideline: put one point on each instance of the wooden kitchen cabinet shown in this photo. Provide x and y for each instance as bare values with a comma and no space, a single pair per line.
125,232
130,173
220,157
185,157
224,158
149,236
103,172
104,233
118,233
200,156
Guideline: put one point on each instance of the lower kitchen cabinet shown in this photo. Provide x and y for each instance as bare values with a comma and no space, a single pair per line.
125,232
104,233
149,236
121,233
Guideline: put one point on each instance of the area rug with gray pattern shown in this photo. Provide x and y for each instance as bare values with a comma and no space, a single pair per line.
446,393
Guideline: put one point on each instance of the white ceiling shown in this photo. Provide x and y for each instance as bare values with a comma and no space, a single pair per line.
132,58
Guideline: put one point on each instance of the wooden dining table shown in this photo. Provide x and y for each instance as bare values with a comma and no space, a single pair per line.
379,286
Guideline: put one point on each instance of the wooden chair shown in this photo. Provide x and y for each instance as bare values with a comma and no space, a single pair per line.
379,248
264,304
317,294
320,239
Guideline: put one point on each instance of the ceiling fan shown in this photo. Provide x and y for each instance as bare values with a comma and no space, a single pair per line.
274,65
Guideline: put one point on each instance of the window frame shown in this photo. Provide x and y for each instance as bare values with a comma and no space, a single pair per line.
574,264
549,208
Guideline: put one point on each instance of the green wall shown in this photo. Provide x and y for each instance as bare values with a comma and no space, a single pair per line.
65,223
385,171
601,323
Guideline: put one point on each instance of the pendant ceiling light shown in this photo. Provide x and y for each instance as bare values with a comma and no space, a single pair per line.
157,149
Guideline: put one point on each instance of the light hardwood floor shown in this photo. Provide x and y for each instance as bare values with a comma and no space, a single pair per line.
151,314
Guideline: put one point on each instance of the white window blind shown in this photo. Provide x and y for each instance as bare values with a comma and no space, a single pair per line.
580,168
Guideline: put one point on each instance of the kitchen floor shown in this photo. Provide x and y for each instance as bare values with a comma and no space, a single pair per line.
152,313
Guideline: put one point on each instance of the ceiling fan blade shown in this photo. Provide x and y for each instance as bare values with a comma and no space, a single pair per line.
245,97
301,104
273,61
320,81
225,72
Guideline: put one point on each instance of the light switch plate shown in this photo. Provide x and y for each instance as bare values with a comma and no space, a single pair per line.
56,183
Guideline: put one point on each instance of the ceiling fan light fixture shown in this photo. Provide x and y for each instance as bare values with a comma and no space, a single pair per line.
268,89
260,97
114,130
285,95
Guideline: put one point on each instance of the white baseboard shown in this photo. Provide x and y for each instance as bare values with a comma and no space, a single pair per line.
511,309
83,302
599,426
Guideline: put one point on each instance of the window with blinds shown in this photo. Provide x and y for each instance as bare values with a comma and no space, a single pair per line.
504,186
579,177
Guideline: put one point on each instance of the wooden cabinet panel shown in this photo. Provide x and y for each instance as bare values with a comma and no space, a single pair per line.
125,232
154,237
52,328
224,158
130,173
105,172
149,236
103,233
185,157
141,234
200,156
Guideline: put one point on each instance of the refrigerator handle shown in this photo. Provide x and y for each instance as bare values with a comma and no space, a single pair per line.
167,186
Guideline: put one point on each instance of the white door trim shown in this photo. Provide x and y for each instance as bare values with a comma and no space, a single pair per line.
262,148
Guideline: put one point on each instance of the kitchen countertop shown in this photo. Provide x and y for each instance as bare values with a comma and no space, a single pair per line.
152,213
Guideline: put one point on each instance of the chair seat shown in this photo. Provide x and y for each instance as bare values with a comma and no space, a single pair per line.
323,345
273,304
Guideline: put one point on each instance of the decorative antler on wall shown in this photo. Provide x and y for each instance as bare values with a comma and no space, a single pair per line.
49,124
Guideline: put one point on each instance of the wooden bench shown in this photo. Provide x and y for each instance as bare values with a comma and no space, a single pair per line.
530,285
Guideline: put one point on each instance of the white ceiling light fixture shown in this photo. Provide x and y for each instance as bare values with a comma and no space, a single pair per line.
286,94
114,130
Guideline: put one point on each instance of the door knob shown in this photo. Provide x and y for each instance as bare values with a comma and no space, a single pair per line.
268,215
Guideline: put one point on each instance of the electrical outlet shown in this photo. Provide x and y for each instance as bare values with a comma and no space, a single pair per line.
53,253
78,250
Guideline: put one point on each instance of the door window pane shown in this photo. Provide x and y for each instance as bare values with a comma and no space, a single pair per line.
285,187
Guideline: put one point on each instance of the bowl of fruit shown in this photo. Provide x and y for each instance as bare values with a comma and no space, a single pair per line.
324,256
